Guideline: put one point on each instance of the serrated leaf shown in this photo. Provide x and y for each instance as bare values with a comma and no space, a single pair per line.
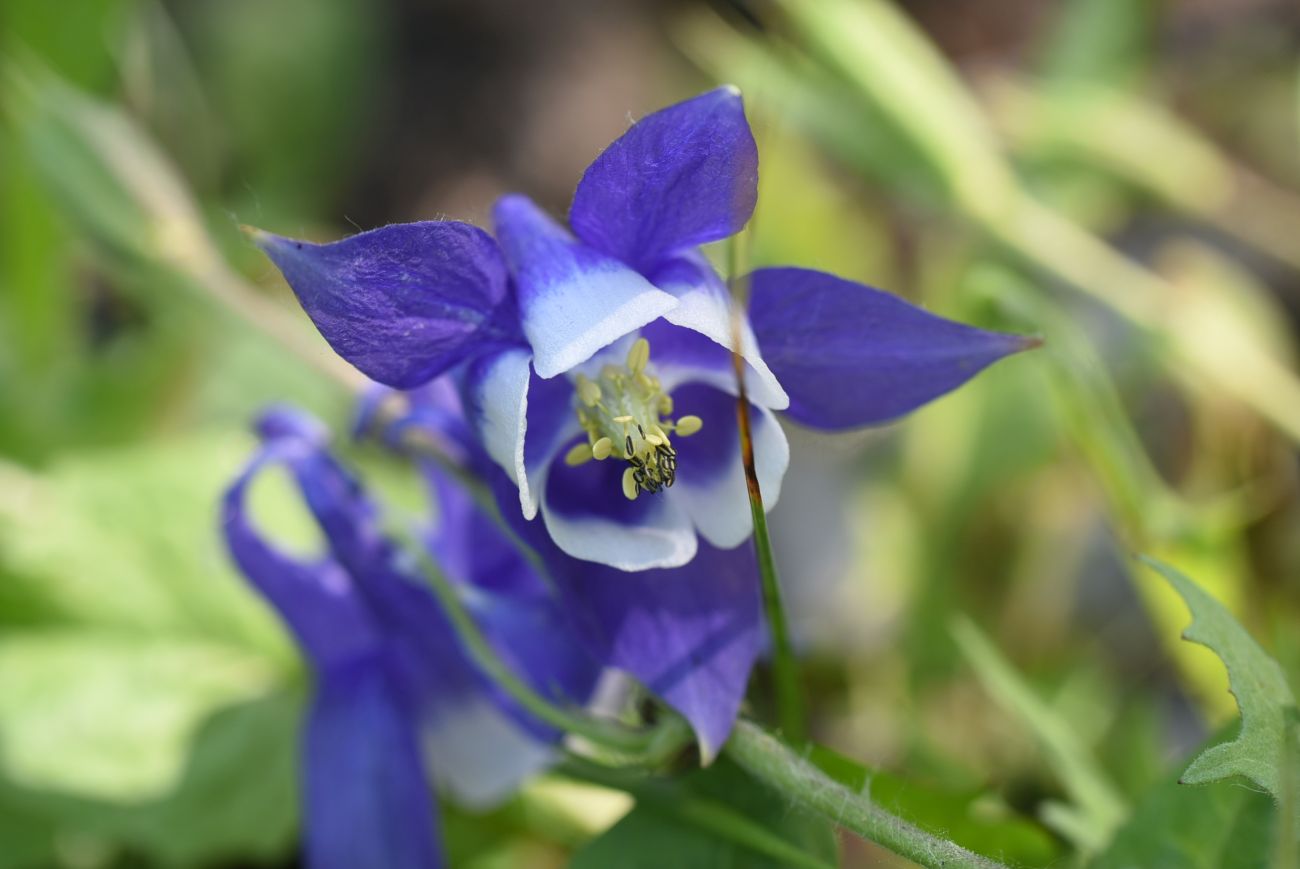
712,817
1263,695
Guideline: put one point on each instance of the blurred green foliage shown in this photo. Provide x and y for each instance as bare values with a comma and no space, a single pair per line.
1112,183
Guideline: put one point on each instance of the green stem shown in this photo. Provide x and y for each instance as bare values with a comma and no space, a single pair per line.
718,819
769,761
647,745
785,669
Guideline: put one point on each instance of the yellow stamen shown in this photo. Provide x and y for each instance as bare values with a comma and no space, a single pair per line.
588,391
627,415
579,455
689,425
638,356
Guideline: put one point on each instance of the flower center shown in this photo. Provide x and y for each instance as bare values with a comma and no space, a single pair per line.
626,413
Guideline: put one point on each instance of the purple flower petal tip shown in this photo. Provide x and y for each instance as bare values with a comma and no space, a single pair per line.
680,177
850,355
402,303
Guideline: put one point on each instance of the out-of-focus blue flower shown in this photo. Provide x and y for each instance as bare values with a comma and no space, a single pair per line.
396,699
594,360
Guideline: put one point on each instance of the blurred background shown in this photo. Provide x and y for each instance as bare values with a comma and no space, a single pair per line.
1121,177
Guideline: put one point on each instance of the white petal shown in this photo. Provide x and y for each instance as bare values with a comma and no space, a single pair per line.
601,525
497,393
718,503
704,306
480,756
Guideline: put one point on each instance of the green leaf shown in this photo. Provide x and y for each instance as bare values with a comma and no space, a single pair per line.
128,538
109,714
130,656
238,793
236,799
1096,808
712,817
1204,827
1268,736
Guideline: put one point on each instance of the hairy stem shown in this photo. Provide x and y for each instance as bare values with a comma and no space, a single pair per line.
768,760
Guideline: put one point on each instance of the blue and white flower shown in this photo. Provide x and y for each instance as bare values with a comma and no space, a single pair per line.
397,702
594,360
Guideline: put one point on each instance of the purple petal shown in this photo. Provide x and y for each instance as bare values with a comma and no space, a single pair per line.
434,410
850,355
368,805
710,483
573,300
681,177
589,518
405,302
471,548
690,634
479,743
704,307
317,600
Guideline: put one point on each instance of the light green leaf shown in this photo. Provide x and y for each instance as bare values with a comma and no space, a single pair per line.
129,538
111,715
235,800
1267,735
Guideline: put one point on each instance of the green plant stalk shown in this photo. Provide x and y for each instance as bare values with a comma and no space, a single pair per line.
892,66
701,813
785,669
769,761
1098,808
646,745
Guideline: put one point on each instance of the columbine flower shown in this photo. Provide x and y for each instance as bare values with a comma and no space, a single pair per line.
395,695
595,362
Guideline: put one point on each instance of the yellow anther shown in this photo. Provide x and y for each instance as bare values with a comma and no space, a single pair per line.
689,425
626,415
588,391
638,356
579,455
